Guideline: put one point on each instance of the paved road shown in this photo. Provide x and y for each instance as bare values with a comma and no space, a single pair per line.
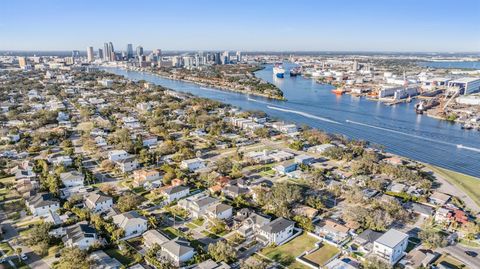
447,187
33,261
458,251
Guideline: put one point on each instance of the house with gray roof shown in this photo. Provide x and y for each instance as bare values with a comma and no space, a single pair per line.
176,250
391,246
42,203
131,222
276,232
80,235
98,202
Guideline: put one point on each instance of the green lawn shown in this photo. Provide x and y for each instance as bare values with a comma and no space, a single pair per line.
286,253
115,253
7,248
466,183
323,254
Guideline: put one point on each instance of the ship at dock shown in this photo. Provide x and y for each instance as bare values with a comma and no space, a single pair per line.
423,105
295,71
279,71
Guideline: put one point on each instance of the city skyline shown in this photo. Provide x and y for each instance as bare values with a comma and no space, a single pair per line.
405,26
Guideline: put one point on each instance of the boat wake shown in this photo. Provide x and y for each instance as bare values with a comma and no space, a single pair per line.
412,135
257,101
307,115
460,146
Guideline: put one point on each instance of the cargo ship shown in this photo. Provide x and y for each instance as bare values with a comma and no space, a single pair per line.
278,71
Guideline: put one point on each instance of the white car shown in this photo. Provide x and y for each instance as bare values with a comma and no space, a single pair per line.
23,257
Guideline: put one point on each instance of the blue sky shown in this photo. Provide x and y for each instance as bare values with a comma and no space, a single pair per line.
340,25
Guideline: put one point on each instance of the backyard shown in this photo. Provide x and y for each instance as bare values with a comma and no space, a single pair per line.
286,253
322,255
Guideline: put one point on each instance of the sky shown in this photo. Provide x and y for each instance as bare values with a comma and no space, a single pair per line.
247,25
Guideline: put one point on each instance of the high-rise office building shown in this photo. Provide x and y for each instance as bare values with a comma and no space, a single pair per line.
22,61
217,58
129,51
108,52
139,51
90,57
75,53
239,56
100,54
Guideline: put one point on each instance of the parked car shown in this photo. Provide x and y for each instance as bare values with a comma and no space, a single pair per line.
24,257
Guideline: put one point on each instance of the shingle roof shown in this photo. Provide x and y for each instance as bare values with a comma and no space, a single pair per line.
277,225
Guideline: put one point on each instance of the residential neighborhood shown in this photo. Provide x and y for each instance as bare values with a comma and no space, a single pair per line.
115,173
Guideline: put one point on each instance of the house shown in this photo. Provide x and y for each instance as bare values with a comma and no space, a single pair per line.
285,167
131,222
100,141
210,264
152,237
304,159
101,260
305,211
176,250
193,164
391,246
175,193
442,215
80,235
62,160
366,239
333,231
127,164
422,210
233,191
197,205
419,258
98,202
438,198
42,203
338,264
140,177
276,232
249,222
115,155
320,148
220,211
72,179
398,187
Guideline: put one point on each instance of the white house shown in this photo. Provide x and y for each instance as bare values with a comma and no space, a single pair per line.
72,179
98,202
115,155
80,235
391,246
220,211
176,250
197,205
131,222
175,193
276,231
127,164
193,164
42,203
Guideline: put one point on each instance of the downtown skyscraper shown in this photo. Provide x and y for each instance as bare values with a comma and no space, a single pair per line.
108,52
90,57
129,51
